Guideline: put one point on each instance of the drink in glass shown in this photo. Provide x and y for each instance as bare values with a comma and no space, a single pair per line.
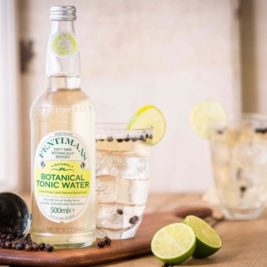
122,183
239,159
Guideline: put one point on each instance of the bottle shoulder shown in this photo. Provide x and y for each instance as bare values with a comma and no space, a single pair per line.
62,100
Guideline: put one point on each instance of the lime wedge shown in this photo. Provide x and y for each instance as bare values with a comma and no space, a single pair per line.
174,243
204,115
149,117
208,241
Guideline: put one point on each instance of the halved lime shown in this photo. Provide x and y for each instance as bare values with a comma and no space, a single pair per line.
208,241
204,115
149,116
174,243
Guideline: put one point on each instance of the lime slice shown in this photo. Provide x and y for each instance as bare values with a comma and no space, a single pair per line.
174,243
149,117
208,241
204,115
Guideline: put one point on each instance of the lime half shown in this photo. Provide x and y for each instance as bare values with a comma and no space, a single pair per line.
204,115
149,117
174,243
208,241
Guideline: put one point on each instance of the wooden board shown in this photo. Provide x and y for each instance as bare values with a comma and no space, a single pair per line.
120,249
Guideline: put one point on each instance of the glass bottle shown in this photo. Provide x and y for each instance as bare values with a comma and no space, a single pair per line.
63,144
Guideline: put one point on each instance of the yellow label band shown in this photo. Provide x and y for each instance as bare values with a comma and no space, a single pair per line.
65,178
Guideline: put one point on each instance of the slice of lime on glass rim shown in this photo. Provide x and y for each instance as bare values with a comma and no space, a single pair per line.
147,117
205,116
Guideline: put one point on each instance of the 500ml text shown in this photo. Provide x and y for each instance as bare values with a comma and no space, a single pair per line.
60,210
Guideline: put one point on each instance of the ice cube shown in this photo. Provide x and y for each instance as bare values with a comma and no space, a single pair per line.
132,192
130,211
103,163
135,167
119,163
243,188
106,164
123,165
251,153
252,198
247,177
109,218
106,188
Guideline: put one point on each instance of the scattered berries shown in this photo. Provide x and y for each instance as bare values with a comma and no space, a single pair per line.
101,244
106,241
13,240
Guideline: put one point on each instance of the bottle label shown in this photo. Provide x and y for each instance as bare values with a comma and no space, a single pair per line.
64,44
62,176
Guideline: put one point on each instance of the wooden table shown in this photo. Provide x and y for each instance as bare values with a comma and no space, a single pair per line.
244,242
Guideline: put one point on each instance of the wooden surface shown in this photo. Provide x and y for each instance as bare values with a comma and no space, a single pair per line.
244,243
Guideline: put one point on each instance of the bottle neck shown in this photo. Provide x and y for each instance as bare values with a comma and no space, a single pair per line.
63,59
62,26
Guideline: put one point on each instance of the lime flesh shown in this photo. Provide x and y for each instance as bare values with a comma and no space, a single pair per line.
147,117
206,115
207,240
174,243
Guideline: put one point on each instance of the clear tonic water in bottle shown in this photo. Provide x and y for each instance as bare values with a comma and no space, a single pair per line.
63,144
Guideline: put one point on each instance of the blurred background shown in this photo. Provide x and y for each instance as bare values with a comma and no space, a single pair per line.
170,53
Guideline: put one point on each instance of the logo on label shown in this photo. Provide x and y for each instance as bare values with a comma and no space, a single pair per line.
62,176
64,44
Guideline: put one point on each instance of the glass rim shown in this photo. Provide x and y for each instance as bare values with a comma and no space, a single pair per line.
254,116
253,120
119,130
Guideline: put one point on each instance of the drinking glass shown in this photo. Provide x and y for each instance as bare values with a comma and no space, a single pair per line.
239,160
122,179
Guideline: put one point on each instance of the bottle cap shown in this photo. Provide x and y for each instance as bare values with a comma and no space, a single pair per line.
63,13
